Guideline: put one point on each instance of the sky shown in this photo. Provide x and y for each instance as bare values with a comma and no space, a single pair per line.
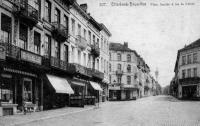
155,32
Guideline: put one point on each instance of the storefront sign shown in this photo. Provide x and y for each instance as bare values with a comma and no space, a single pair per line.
31,57
2,52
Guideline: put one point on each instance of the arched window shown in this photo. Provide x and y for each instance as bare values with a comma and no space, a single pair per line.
119,67
129,68
128,57
119,58
128,79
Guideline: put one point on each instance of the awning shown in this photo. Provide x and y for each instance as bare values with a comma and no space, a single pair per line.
96,86
78,83
60,85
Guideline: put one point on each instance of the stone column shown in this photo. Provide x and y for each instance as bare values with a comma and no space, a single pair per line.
41,100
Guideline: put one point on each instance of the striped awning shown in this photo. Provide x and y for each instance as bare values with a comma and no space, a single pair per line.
96,86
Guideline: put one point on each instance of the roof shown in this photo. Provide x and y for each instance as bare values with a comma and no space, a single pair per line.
119,47
192,45
106,29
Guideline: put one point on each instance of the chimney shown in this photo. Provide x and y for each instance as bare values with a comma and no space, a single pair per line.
84,7
126,44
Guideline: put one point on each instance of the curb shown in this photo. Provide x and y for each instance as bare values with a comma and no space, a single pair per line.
49,117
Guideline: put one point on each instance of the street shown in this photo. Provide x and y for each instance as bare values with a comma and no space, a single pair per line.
150,111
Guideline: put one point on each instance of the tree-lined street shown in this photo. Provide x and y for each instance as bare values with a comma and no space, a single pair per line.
150,111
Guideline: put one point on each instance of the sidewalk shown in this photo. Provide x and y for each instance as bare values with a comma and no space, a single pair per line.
20,119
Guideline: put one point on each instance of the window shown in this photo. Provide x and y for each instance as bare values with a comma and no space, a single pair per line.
73,27
97,64
93,39
189,73
102,42
119,67
79,29
38,7
97,44
57,49
194,57
128,79
129,58
102,67
37,37
66,55
110,68
27,90
79,56
110,79
189,59
84,56
47,11
195,72
23,36
89,37
118,79
183,60
47,43
72,54
110,56
183,73
129,68
57,16
84,34
65,21
119,57
6,27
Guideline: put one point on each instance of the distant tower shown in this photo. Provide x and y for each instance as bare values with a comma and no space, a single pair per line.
157,74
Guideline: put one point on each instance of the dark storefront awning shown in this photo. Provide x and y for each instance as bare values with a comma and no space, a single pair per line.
96,86
60,85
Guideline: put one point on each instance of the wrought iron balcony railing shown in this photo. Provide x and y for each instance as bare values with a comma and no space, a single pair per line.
26,13
59,32
97,73
11,50
81,70
95,50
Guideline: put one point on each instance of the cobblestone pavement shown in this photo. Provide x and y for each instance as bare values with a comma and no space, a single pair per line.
150,111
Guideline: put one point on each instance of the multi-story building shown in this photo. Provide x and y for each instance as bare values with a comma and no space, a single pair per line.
124,83
187,71
50,55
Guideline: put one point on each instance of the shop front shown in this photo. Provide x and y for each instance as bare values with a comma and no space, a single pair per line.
114,93
57,91
18,87
189,92
94,90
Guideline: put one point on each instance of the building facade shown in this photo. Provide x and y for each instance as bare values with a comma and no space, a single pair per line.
48,58
186,80
124,83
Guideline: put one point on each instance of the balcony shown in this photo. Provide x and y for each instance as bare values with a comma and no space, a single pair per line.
81,70
11,51
190,80
95,50
97,74
59,32
81,42
26,13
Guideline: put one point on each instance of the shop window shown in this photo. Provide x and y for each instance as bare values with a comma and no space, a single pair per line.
37,42
27,90
6,28
6,90
23,36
